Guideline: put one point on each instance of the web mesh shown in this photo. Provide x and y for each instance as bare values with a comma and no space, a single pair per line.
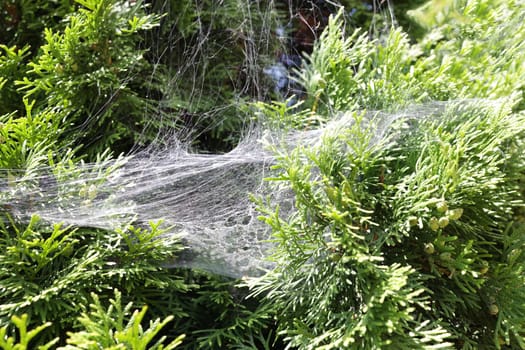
205,199
210,57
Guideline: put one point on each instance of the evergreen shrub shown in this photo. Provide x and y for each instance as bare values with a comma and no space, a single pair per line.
407,232
94,72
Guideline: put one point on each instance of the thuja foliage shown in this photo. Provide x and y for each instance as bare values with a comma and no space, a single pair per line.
113,328
26,141
22,24
94,71
50,272
84,61
409,244
478,53
406,239
409,237
21,342
118,328
12,64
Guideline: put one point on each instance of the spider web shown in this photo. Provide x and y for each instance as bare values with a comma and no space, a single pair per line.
202,198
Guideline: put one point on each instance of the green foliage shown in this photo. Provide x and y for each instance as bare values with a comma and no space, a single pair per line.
22,23
372,251
48,272
284,115
25,336
331,287
26,141
354,72
468,164
413,239
118,328
12,68
487,39
229,321
113,328
94,72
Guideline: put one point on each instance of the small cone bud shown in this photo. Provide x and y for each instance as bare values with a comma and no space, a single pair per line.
443,222
433,223
442,206
429,248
